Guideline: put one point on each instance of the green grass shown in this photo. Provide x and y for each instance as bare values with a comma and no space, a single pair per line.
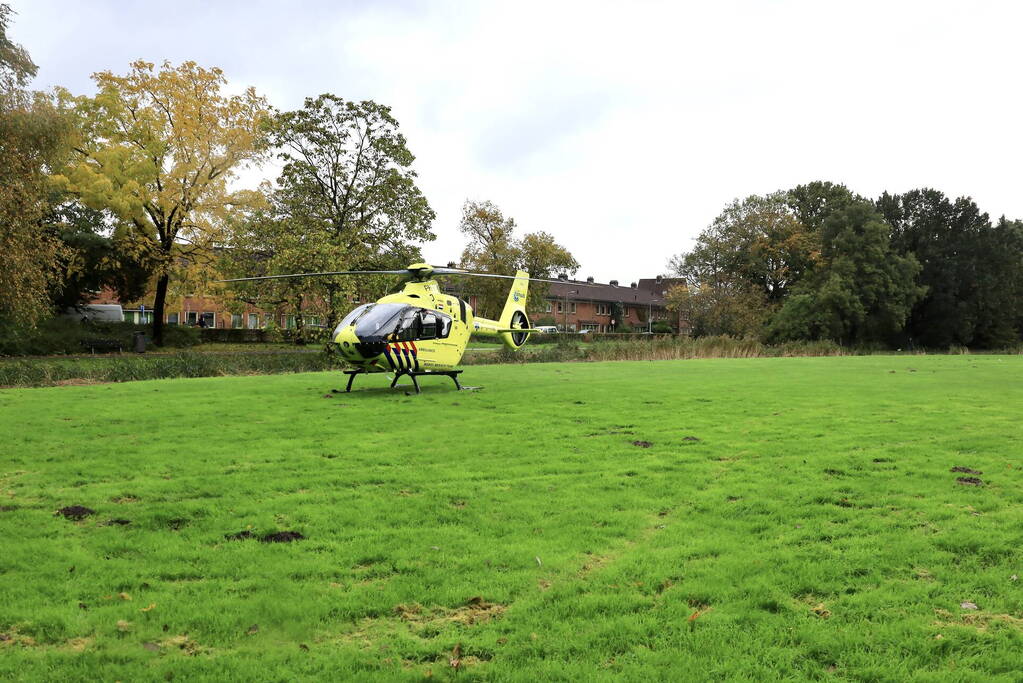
801,508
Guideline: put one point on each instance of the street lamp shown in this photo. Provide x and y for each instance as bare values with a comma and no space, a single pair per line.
650,314
572,291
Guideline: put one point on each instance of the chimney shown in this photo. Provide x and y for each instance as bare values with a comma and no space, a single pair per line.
590,279
633,285
658,279
613,283
452,264
563,277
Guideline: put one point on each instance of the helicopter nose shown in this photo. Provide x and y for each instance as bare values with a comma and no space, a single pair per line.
346,343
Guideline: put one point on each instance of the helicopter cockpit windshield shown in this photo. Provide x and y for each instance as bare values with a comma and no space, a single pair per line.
395,322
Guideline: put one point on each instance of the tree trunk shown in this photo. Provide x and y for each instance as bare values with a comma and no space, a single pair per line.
158,307
299,324
332,318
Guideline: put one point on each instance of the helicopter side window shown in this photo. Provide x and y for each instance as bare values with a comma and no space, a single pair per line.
428,329
408,327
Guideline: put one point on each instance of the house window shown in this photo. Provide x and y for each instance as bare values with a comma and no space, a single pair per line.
289,322
172,318
572,309
193,318
236,320
210,319
129,316
561,307
603,309
253,321
548,306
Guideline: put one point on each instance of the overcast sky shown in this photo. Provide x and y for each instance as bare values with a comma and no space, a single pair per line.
622,128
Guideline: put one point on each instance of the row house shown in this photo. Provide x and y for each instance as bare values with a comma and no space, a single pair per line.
577,305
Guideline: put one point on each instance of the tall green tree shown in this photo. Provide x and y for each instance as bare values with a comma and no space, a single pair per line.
966,267
96,254
862,291
158,148
32,138
346,199
493,247
812,203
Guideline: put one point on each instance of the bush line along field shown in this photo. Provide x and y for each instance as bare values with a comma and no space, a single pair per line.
752,518
213,360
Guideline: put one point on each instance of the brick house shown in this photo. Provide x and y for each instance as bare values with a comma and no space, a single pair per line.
576,305
189,310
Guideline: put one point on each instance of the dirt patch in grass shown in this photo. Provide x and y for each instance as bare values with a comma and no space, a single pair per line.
475,611
965,470
969,481
75,512
642,444
239,536
12,637
281,537
121,500
980,620
79,644
183,643
423,622
690,438
117,522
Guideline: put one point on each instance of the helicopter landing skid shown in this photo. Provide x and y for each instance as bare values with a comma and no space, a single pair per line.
413,374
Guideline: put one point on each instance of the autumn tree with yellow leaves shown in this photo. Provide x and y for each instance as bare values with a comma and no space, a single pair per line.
32,138
158,148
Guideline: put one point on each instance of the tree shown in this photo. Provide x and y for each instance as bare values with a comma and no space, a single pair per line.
16,67
966,268
719,308
346,199
814,202
158,149
492,247
32,139
862,292
756,243
95,254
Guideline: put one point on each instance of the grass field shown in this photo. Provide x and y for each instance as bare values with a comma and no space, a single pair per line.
790,518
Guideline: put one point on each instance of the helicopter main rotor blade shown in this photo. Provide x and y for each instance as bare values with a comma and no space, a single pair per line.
454,271
335,272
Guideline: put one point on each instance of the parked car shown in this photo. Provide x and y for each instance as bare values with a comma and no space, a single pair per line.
546,329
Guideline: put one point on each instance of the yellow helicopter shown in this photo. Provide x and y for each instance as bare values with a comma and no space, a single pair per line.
420,331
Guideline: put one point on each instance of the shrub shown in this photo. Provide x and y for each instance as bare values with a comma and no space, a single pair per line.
65,336
35,372
233,336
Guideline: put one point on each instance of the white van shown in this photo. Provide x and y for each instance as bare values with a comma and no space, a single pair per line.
99,313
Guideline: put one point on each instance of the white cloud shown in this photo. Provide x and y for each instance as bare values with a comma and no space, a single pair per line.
623,128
